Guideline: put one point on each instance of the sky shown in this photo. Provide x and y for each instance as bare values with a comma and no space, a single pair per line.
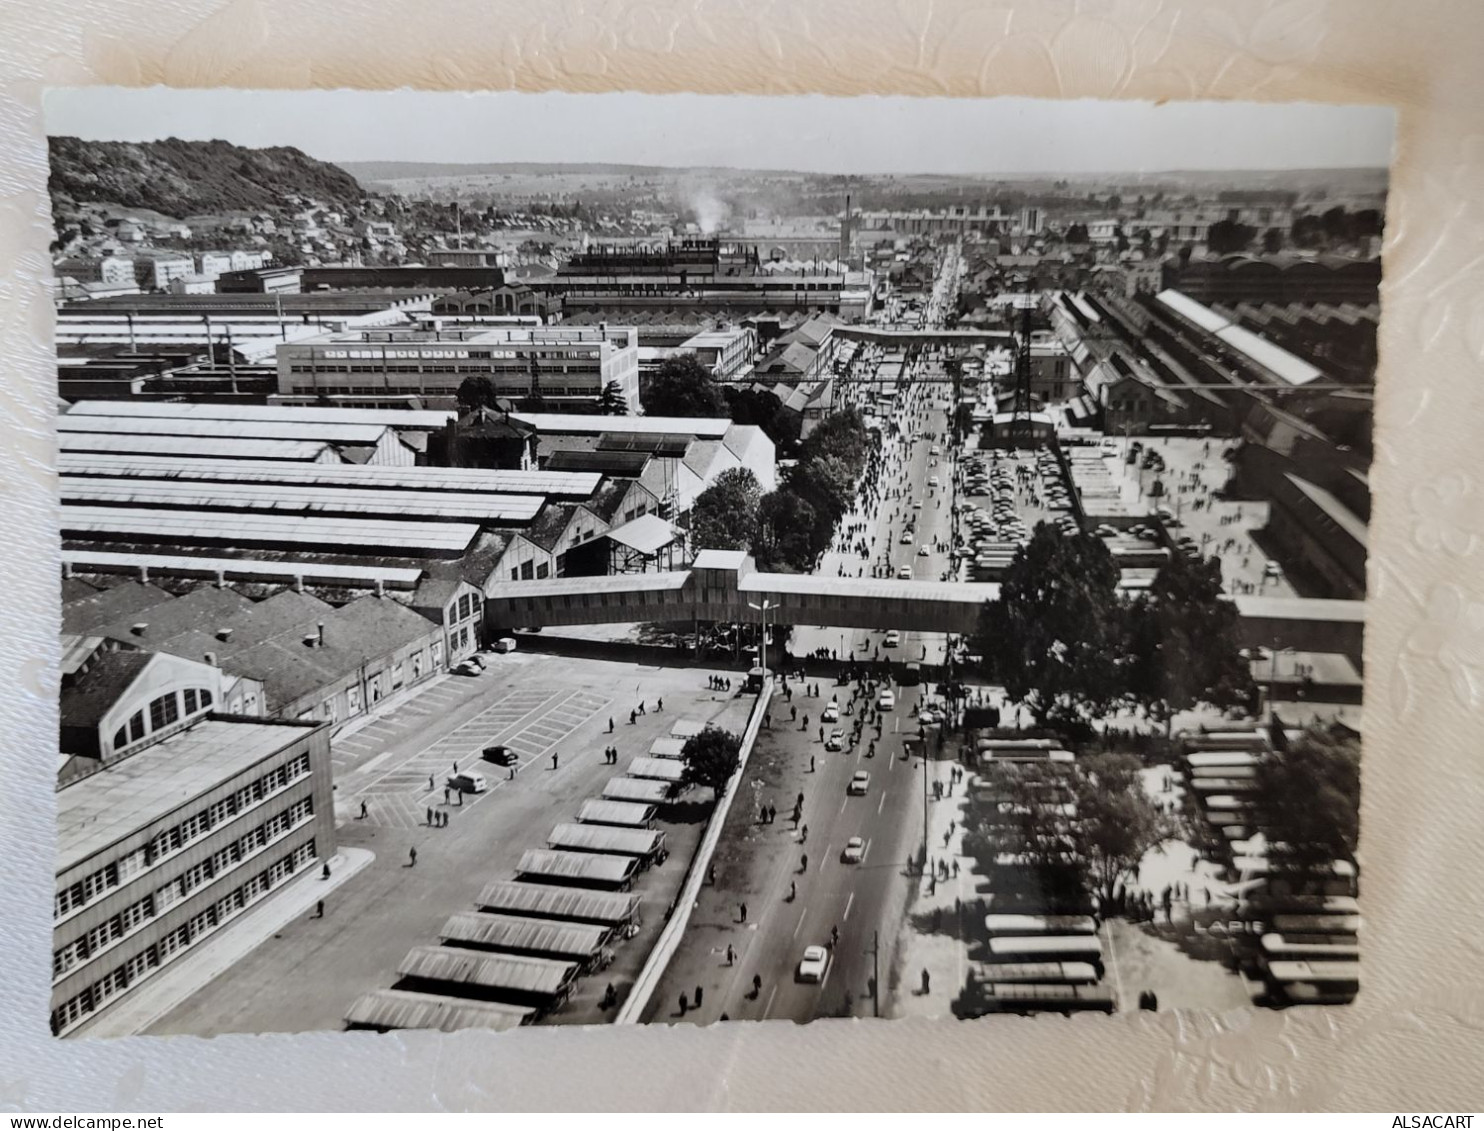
810,133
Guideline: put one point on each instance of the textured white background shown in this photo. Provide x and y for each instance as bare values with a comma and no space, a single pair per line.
1415,1040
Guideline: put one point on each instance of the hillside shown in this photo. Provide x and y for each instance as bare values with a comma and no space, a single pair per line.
369,172
182,178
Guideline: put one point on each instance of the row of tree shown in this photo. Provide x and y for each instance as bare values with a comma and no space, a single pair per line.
788,528
1065,641
682,386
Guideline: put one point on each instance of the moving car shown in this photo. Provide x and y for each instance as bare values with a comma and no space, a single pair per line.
831,713
923,551
893,638
813,964
1272,569
468,783
836,740
860,783
927,718
906,538
904,573
854,852
932,481
886,701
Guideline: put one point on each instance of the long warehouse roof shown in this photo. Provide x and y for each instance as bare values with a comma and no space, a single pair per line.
576,865
605,838
241,429
224,447
249,529
577,424
553,484
429,505
422,420
185,565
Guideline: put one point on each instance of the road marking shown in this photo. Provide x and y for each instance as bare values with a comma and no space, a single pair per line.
802,915
882,804
771,996
846,917
842,805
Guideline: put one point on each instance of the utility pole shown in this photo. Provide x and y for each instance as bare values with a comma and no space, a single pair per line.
875,953
924,807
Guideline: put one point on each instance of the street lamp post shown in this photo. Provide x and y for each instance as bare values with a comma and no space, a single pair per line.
762,646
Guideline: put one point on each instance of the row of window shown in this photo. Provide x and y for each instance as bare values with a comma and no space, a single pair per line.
116,981
466,606
76,896
163,711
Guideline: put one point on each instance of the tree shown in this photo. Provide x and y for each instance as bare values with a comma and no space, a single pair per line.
611,401
725,514
766,411
842,434
711,758
682,386
1077,233
1053,639
477,391
1227,236
785,534
1117,822
1272,241
1309,798
1183,642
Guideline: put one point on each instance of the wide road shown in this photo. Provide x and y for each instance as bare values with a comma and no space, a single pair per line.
791,906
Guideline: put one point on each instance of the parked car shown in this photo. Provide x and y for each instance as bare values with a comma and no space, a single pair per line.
468,783
500,755
467,667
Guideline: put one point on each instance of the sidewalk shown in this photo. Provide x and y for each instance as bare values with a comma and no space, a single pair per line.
173,984
933,934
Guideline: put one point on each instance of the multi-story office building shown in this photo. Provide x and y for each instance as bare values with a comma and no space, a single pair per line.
159,849
565,365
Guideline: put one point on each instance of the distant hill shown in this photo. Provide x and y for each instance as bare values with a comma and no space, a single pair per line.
183,178
372,172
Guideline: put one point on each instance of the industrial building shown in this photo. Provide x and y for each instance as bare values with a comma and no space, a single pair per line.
563,365
162,846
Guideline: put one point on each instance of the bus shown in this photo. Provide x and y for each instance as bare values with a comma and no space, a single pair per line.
1046,973
1045,997
1274,947
1314,983
1048,948
1026,925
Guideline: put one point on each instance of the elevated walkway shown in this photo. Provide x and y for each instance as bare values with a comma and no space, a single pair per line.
724,585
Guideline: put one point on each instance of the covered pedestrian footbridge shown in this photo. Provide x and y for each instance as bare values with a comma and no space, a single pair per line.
724,585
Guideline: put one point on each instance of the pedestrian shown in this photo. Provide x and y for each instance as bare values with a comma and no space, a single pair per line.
445,795
731,955
633,717
553,760
431,786
363,810
610,724
412,857
683,1003
698,997
641,706
430,815
659,705
743,910
319,909
926,981
757,985
955,868
811,763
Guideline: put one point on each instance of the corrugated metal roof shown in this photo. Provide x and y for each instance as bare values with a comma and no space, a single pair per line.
511,932
422,420
1273,358
427,505
648,534
248,529
402,1009
554,484
182,565
238,429
661,769
517,973
597,811
1192,311
558,902
224,447
667,748
636,789
606,838
576,865
553,422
